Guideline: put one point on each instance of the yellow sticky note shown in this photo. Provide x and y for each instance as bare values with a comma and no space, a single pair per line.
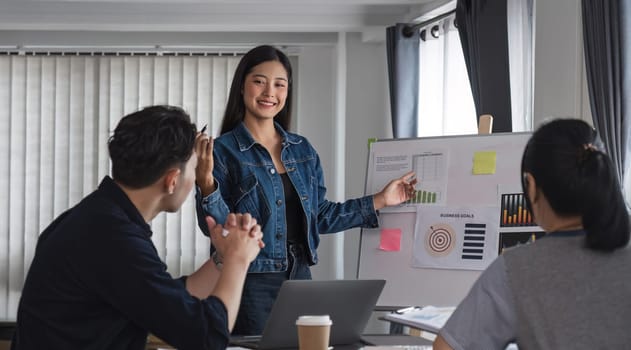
484,162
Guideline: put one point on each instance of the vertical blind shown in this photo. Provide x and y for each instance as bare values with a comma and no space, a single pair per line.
57,114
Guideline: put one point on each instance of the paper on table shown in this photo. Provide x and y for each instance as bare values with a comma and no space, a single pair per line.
428,318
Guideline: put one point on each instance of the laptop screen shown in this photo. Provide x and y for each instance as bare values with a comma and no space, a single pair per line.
349,303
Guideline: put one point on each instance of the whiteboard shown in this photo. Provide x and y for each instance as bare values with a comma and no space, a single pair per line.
454,172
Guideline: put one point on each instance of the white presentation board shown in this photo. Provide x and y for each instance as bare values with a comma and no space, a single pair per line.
469,203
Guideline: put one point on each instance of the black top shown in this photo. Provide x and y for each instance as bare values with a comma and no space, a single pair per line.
293,213
97,282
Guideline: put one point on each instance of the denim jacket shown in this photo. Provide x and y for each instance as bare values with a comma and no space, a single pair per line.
247,182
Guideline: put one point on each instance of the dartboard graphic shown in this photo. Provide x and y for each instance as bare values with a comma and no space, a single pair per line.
440,239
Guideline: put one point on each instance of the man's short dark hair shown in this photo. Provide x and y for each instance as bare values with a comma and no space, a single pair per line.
148,142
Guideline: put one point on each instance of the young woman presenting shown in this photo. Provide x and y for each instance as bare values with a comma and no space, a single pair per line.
257,166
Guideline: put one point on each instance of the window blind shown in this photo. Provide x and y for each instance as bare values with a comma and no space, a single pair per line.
58,113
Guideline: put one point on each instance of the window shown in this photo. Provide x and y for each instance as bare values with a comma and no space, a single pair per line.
445,103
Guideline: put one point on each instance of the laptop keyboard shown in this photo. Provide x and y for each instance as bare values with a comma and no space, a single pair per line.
245,341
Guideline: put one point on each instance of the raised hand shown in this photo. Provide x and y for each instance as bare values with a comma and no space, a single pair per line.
204,171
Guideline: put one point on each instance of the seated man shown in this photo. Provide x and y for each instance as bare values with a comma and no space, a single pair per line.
96,281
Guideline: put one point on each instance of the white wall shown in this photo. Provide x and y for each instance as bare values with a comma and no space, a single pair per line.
368,115
560,89
316,121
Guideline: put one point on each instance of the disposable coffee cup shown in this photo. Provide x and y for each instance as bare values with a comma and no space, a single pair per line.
313,332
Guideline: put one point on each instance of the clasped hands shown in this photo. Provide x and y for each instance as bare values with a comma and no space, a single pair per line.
240,238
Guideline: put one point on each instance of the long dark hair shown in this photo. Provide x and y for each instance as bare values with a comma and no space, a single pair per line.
235,108
566,158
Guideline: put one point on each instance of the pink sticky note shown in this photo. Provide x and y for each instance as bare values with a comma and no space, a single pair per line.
390,239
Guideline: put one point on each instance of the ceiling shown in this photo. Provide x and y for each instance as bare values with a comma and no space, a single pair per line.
208,15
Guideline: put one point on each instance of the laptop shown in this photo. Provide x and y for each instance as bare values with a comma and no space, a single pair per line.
350,303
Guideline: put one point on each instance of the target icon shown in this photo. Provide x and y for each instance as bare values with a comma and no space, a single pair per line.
440,239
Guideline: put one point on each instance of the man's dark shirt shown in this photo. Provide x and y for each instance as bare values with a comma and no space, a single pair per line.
97,282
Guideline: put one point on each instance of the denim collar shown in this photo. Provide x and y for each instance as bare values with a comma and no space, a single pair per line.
246,141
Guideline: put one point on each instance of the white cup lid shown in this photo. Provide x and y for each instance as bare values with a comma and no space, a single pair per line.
314,320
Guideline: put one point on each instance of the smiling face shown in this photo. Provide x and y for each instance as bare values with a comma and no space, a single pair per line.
265,90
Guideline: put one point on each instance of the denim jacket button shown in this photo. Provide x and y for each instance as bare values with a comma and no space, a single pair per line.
272,171
279,202
278,265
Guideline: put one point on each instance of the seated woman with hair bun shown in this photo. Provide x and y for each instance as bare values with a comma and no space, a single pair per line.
571,289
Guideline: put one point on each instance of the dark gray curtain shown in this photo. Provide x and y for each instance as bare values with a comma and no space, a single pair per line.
606,36
484,37
403,78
